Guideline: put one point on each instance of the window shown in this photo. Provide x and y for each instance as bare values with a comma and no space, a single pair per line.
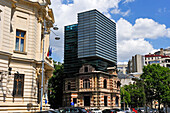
118,84
18,85
74,100
20,41
117,101
105,100
105,83
86,69
86,83
86,100
68,86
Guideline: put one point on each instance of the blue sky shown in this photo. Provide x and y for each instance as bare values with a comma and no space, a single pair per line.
143,26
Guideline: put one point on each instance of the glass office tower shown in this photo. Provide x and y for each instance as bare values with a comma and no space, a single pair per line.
97,39
91,41
71,63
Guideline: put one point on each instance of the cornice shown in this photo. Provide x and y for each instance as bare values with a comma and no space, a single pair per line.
22,59
45,63
96,72
5,53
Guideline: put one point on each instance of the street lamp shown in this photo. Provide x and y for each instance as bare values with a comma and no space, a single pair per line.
42,78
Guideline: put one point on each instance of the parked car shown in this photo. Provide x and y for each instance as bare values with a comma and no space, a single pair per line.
127,110
108,111
165,110
88,110
81,110
135,110
57,111
153,110
72,110
93,110
141,110
48,111
118,110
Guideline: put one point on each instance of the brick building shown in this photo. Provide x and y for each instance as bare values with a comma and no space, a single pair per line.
93,89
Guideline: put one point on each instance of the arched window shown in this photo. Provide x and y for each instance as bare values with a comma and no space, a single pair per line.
68,86
105,83
85,69
117,101
118,84
86,83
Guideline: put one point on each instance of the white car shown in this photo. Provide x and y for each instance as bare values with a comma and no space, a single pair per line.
96,111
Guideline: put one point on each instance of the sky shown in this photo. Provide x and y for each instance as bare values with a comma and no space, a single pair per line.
143,26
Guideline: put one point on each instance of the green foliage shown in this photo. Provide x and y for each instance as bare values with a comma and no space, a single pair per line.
157,83
55,86
125,96
136,93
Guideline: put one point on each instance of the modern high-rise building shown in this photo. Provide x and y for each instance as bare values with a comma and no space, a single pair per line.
90,58
97,40
71,61
92,42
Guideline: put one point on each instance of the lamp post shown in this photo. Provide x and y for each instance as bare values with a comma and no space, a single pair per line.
42,78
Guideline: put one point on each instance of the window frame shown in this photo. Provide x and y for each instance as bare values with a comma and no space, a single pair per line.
20,37
69,86
86,69
86,83
105,100
117,101
105,83
16,86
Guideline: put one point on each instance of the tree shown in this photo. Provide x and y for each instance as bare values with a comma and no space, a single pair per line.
136,93
125,96
55,86
157,84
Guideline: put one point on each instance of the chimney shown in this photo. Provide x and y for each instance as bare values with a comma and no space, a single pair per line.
161,51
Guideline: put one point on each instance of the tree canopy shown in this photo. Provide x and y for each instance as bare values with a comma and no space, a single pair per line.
157,83
55,86
133,94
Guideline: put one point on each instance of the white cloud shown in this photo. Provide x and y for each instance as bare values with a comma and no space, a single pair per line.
124,30
143,28
127,1
162,10
115,11
129,48
118,11
130,37
168,32
148,28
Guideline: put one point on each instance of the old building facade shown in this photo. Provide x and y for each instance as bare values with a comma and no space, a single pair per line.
93,89
21,35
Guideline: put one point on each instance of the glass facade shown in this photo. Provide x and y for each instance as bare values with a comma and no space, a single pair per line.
91,41
96,36
71,63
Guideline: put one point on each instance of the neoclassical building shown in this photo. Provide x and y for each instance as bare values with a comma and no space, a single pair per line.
21,35
93,89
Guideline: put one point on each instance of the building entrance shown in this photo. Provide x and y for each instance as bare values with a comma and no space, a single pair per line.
86,100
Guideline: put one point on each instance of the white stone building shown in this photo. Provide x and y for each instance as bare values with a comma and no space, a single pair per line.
21,32
161,57
122,68
136,64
